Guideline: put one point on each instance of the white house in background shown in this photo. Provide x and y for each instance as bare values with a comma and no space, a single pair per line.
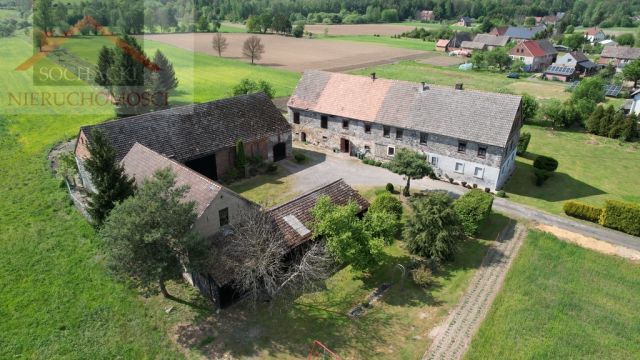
594,35
608,42
633,105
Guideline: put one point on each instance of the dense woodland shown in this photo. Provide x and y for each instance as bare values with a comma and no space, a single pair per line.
202,15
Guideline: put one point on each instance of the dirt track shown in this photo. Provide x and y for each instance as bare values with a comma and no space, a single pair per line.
298,54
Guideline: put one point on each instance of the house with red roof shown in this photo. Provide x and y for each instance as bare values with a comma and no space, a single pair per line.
536,54
594,35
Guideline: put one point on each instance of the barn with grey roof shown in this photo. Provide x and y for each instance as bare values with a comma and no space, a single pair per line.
467,135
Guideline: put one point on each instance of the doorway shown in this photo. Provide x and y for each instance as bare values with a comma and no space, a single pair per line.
345,145
279,151
303,137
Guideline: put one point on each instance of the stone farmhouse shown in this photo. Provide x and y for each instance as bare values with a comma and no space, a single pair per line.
618,56
216,206
200,136
466,135
536,54
492,41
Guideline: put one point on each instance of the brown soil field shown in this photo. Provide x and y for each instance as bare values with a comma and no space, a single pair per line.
297,54
363,29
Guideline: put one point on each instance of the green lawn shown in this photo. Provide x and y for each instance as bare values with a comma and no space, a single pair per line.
591,169
478,80
57,298
560,301
612,30
8,14
395,328
413,44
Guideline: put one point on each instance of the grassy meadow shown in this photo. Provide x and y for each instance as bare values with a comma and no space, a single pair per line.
412,70
405,43
560,301
58,300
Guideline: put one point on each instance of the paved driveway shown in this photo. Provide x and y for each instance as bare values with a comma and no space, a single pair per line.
325,166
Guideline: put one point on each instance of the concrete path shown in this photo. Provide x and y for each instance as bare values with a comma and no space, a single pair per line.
454,336
327,166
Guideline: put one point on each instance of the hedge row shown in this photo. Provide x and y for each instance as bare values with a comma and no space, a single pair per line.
582,211
616,215
472,209
621,216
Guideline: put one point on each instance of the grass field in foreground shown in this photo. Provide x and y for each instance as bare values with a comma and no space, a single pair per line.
591,169
413,44
479,80
57,299
560,301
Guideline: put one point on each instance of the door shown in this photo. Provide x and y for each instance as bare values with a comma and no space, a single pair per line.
205,166
345,145
303,137
279,151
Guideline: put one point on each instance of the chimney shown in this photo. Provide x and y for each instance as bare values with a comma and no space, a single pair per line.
373,76
459,86
424,87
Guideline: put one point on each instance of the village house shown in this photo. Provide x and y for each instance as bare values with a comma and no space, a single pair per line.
216,206
491,41
292,220
456,40
594,35
466,135
442,45
425,15
618,56
632,105
465,21
519,34
471,46
579,61
499,30
536,54
200,136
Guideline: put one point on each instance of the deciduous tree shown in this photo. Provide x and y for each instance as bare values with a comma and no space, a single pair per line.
410,164
253,48
631,72
219,43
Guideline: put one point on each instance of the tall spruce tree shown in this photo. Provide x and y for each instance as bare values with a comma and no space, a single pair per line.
593,122
112,185
105,61
127,77
162,81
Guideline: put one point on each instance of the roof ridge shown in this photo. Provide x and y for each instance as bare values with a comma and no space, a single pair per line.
310,192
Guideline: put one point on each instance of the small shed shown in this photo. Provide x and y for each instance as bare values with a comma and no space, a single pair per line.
442,45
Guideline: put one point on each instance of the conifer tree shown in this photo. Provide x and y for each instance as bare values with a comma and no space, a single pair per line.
593,122
105,61
112,185
127,77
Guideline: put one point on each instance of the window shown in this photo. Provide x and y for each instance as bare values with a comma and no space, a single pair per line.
478,172
482,152
324,138
423,138
391,151
460,168
462,146
434,161
296,117
399,134
367,148
324,122
367,128
386,131
223,214
345,124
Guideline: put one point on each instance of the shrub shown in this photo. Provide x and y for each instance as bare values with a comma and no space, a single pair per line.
378,163
232,175
387,202
582,211
272,168
389,187
422,276
523,143
473,208
299,157
501,194
621,216
545,163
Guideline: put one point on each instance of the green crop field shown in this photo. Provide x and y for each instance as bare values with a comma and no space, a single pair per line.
560,301
58,300
413,44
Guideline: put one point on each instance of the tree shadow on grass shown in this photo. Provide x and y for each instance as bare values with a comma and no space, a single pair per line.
559,187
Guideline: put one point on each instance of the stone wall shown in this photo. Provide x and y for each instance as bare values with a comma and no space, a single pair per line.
442,151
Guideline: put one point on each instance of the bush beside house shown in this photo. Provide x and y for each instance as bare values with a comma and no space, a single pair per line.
582,211
473,208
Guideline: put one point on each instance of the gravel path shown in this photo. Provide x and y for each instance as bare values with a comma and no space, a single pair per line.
456,333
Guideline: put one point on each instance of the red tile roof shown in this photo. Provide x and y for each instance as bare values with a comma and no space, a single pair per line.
442,43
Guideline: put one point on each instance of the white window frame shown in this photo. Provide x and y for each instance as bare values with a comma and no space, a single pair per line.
475,172
456,168
394,150
434,161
